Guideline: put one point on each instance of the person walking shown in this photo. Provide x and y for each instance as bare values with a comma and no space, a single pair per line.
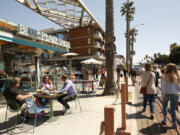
170,88
147,80
156,75
133,76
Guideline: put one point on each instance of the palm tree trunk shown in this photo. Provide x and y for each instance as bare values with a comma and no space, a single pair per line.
127,40
132,47
110,87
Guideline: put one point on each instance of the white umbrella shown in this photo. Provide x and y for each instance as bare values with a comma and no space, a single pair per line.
69,54
91,61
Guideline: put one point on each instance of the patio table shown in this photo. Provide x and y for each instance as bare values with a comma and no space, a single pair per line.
50,96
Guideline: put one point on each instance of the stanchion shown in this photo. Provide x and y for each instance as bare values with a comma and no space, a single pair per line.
126,85
123,130
123,106
109,119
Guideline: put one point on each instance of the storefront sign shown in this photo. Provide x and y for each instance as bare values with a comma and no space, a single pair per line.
32,33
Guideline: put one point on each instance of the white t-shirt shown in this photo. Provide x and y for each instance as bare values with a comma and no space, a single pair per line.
44,88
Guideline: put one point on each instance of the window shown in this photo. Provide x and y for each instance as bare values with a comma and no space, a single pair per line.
89,40
61,36
89,50
89,31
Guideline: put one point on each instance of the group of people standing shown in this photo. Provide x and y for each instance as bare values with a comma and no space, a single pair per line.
170,90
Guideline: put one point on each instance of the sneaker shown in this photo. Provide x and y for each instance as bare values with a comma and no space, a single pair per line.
144,110
152,116
68,111
163,122
174,126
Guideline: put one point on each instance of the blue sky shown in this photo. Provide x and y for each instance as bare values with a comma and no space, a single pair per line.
161,19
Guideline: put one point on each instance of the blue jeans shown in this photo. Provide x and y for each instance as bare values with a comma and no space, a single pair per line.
173,103
151,98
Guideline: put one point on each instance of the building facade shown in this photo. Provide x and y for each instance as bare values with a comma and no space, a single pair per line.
87,42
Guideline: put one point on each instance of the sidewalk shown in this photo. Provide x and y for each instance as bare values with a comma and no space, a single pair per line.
86,122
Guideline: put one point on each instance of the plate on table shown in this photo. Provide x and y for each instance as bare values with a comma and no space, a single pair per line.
39,91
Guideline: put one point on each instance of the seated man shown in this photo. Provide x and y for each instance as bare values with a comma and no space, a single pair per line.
70,94
12,93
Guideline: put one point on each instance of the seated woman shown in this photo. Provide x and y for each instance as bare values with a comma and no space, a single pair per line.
46,86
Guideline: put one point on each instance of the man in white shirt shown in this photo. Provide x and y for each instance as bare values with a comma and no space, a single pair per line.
68,93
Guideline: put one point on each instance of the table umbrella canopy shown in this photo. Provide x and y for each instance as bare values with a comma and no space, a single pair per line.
69,54
91,61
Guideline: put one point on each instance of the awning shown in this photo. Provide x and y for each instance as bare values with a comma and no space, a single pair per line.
30,43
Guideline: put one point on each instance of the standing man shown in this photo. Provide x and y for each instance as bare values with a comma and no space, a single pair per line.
68,93
156,75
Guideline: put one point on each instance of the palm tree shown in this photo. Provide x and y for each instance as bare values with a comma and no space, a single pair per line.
155,55
172,46
128,10
110,47
132,34
146,57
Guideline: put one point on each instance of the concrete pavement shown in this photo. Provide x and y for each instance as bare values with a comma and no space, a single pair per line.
86,122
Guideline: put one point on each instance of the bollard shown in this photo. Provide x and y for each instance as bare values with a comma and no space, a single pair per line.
109,119
123,105
123,130
126,85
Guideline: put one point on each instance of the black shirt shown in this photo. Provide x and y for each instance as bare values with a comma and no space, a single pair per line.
133,73
118,69
157,77
11,94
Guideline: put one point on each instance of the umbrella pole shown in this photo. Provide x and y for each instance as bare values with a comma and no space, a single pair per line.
37,60
70,63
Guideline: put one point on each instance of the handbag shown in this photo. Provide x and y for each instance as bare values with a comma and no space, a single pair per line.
144,89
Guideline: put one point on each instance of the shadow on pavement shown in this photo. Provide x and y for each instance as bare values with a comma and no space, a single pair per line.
137,104
154,129
9,126
137,115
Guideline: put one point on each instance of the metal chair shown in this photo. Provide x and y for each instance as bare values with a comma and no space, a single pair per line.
11,104
77,98
26,87
31,108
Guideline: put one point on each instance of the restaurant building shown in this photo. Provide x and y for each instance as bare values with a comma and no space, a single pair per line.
20,44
